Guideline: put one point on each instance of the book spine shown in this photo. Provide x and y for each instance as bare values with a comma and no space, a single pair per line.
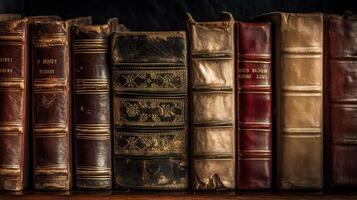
13,104
299,100
92,117
341,110
212,82
254,88
150,110
51,105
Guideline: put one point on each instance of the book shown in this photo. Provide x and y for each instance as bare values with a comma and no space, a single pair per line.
150,105
51,102
212,85
254,93
13,102
298,99
92,103
340,110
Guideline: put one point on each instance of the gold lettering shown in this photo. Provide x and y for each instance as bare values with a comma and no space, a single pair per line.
243,70
47,71
5,59
6,70
245,76
49,61
261,76
260,70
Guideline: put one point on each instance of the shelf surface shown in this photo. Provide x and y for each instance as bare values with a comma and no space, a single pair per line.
123,195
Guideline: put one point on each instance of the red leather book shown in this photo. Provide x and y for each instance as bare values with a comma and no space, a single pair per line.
92,118
13,101
51,102
341,99
254,170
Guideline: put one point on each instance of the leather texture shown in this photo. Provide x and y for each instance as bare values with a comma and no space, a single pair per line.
51,102
212,83
150,110
254,91
13,101
341,95
92,103
299,99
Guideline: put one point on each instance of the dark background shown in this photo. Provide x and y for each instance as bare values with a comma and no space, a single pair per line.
169,14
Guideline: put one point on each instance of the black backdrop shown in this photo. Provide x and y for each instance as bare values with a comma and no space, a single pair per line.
169,14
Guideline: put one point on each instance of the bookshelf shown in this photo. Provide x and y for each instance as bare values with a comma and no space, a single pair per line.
123,195
170,15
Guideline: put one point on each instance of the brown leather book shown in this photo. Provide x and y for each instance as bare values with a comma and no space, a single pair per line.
150,110
340,99
13,101
51,102
92,118
212,103
254,91
299,99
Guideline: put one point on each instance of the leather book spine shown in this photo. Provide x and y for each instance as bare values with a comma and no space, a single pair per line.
92,115
150,105
213,106
254,91
341,96
299,99
51,103
13,103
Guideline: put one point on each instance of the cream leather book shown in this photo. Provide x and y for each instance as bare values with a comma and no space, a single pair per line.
299,99
212,103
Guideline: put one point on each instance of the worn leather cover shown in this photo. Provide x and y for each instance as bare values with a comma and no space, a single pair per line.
212,77
51,102
150,110
92,117
299,99
254,90
13,101
341,96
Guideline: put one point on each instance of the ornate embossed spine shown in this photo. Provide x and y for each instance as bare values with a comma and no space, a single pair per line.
254,169
341,98
51,103
13,101
299,99
150,110
92,118
212,103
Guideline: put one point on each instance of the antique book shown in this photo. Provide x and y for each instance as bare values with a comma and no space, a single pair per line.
150,102
13,102
92,117
299,99
212,85
51,102
340,99
254,94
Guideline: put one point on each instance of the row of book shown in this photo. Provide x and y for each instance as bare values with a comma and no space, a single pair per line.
98,105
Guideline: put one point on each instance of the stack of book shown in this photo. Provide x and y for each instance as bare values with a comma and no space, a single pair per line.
102,107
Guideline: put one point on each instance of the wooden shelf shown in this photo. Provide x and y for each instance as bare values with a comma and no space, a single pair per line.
123,195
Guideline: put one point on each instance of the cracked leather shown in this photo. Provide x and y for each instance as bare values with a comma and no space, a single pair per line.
212,85
150,110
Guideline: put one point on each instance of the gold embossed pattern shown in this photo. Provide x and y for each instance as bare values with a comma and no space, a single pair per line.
147,111
134,143
150,110
155,79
